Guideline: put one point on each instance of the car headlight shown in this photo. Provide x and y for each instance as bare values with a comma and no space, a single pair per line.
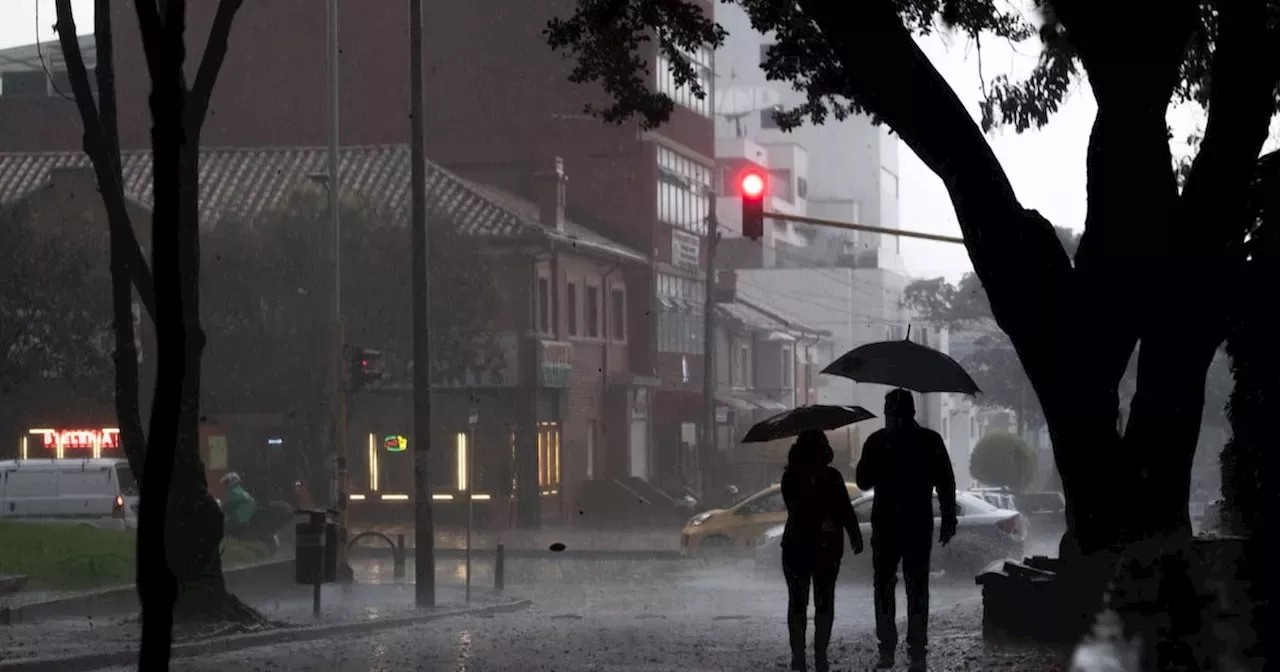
699,519
769,535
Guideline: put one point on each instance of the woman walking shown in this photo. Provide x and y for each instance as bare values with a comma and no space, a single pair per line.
818,515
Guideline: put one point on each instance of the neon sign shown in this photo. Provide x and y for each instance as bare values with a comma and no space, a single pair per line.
395,443
94,440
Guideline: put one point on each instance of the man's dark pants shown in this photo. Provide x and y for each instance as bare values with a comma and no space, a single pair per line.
912,550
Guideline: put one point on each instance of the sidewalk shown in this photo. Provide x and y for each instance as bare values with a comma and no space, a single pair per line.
955,643
574,539
339,605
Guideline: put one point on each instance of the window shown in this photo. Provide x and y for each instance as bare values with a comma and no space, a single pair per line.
802,189
571,306
30,83
888,183
684,187
788,369
767,118
618,313
592,311
701,62
544,305
548,456
591,449
768,503
128,485
764,52
680,327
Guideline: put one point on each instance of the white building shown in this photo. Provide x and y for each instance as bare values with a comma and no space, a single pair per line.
852,165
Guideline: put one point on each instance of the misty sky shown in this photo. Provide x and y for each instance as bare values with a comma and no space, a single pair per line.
1046,167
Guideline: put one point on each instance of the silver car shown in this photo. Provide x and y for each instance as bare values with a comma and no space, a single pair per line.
984,534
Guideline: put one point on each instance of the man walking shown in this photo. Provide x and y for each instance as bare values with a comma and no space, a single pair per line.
904,463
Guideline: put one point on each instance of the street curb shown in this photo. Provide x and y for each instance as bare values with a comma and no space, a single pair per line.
221,645
525,553
121,599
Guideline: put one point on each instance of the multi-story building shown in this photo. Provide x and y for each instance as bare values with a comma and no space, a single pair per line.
852,164
493,116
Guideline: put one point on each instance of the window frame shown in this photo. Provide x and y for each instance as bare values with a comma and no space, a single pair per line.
591,322
573,324
618,313
545,315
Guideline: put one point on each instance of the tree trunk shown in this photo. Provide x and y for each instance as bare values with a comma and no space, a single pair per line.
127,393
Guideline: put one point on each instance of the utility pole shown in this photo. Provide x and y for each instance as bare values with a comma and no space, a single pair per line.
338,396
708,453
424,536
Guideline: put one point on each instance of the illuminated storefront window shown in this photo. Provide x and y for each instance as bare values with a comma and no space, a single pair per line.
71,442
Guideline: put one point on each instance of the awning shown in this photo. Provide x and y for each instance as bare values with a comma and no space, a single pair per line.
770,405
775,336
736,403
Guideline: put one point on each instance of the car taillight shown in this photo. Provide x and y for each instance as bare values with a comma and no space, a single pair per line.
119,502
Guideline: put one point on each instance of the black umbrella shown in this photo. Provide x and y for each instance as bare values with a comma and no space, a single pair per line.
905,364
792,422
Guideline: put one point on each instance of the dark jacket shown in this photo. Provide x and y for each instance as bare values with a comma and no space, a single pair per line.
818,509
904,465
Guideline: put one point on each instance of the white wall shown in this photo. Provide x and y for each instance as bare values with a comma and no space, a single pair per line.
848,160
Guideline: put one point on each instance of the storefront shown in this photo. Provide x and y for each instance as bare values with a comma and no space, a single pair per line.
69,443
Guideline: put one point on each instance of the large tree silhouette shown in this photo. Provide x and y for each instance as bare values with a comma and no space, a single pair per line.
1074,320
180,525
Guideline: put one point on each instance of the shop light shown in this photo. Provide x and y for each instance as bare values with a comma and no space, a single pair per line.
356,498
460,443
395,498
442,498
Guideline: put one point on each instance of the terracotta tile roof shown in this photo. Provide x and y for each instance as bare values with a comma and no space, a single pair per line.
755,317
244,183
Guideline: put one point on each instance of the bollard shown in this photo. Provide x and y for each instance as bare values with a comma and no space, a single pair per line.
397,558
499,569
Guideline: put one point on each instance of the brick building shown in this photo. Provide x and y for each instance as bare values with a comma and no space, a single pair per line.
493,115
556,407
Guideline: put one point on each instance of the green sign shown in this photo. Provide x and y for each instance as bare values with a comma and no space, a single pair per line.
395,443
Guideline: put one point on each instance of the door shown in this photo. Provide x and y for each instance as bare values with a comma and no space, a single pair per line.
756,516
638,444
31,493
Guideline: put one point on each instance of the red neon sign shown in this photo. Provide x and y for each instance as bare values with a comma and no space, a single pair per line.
94,440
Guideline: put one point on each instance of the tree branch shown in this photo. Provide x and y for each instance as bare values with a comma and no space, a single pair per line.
152,29
905,91
1244,72
215,53
96,147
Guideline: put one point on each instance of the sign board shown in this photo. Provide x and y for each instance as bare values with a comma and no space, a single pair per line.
555,363
394,443
80,441
474,417
722,414
217,460
686,249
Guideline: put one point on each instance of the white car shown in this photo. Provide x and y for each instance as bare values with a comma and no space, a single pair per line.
100,491
984,534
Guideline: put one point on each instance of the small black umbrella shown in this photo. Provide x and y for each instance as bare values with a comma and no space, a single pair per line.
905,364
792,422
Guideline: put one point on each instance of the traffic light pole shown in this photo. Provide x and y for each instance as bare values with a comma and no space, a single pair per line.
849,226
708,442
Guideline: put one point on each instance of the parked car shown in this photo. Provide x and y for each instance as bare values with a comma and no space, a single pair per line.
738,528
1047,513
101,491
1001,498
984,534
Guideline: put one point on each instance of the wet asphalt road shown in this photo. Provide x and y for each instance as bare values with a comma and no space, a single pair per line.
601,616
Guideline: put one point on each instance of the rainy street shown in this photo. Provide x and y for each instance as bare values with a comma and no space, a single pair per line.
605,615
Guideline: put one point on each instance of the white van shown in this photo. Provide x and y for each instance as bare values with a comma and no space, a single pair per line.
94,490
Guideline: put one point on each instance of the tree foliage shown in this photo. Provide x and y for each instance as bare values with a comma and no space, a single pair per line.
55,309
1003,460
1074,320
269,300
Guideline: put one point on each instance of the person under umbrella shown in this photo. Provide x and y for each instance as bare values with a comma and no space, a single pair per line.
905,463
818,515
817,416
906,364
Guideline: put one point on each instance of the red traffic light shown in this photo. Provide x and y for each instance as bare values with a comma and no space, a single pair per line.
752,185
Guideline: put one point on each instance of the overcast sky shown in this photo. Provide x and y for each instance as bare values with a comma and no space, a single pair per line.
1046,167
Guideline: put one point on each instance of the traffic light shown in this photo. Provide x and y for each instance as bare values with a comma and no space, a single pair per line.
364,367
752,187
